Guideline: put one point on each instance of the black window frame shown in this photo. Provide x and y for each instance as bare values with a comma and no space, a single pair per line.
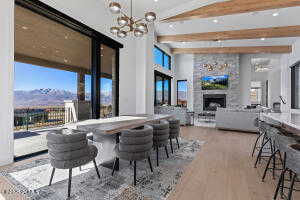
294,67
184,80
163,58
164,77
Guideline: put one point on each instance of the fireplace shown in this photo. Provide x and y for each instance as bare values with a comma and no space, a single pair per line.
212,101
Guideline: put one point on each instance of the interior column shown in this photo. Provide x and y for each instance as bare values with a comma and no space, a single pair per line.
81,86
6,81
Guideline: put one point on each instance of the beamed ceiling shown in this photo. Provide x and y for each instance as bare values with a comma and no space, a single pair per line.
43,42
217,24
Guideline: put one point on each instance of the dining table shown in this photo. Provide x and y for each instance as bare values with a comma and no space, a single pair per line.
105,132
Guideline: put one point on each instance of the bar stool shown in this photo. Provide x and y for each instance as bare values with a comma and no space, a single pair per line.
265,151
292,164
135,145
69,149
174,132
262,128
280,143
161,135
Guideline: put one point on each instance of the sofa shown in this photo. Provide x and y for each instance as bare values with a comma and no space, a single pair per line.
238,119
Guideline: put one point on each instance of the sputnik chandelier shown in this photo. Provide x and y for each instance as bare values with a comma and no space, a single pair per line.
128,24
211,67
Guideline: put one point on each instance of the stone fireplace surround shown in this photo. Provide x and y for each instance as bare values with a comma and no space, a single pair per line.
232,94
212,101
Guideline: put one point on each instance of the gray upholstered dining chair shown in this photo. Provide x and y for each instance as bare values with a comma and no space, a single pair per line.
135,145
174,131
161,135
69,149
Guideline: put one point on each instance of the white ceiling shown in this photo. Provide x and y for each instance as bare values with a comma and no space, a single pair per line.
167,8
262,19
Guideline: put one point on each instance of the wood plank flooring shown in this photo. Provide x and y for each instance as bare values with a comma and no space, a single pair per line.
222,170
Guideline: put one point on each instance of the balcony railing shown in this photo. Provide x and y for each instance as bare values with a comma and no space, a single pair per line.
32,118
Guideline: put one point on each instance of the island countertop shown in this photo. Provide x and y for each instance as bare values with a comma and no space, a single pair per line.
290,121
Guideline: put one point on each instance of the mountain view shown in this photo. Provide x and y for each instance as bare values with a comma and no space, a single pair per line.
51,97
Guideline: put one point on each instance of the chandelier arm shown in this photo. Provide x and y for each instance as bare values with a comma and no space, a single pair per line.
140,20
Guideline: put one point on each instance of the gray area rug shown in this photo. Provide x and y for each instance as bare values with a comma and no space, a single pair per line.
32,179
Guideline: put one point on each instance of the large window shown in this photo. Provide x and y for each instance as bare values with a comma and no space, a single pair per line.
161,58
162,89
295,103
182,93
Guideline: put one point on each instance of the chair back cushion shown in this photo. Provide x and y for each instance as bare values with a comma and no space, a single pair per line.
136,140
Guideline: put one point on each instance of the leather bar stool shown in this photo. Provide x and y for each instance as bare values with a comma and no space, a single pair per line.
174,131
135,145
69,149
161,135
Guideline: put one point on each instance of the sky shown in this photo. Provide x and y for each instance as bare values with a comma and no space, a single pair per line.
30,77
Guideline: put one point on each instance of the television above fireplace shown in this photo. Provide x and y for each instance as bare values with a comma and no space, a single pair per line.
214,82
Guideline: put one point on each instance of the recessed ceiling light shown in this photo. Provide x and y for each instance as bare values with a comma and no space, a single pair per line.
65,60
156,0
183,42
262,39
215,21
275,14
56,51
171,26
24,27
66,37
219,41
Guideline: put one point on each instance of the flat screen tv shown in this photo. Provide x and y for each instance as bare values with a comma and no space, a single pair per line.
214,82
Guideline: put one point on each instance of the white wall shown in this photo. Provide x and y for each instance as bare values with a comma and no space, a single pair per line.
248,74
94,13
6,81
184,71
286,61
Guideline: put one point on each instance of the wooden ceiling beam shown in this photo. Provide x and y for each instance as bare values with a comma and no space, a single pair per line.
273,32
232,7
249,49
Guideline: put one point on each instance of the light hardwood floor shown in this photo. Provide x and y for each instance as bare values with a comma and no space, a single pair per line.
222,170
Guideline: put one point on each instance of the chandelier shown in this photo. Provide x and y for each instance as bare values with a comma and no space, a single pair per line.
128,24
216,65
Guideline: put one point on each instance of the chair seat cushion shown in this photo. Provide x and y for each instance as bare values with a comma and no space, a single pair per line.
132,156
136,140
161,132
140,132
160,137
72,163
136,147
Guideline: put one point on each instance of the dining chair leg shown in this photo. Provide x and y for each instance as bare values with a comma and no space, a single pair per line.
114,167
52,175
150,164
96,168
70,182
255,144
157,159
292,187
171,144
134,173
177,142
166,148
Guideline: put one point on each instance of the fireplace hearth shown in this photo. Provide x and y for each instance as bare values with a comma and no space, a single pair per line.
212,101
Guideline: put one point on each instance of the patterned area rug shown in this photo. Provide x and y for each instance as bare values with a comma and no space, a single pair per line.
32,179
